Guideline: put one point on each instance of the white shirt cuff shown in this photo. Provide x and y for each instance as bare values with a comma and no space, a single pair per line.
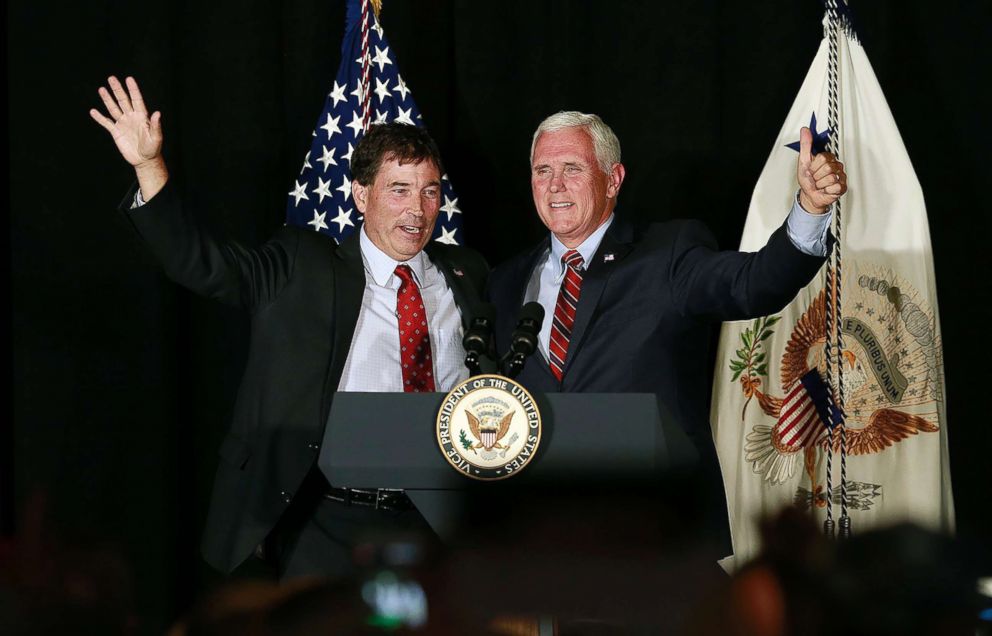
808,232
138,200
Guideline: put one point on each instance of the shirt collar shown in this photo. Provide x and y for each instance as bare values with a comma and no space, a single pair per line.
587,248
381,266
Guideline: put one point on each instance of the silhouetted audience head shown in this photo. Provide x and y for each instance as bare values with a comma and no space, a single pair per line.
902,580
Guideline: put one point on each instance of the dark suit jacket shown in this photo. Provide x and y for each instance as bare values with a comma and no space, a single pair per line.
648,300
304,294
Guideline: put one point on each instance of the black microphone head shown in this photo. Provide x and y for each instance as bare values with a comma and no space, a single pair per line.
480,329
524,338
532,311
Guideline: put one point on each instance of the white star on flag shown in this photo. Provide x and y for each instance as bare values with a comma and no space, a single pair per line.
337,93
358,93
450,207
327,158
356,124
401,88
404,116
318,221
342,219
345,187
331,125
380,116
306,163
381,89
447,237
381,57
323,189
299,192
347,155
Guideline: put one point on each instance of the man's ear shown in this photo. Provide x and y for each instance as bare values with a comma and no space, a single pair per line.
617,173
360,194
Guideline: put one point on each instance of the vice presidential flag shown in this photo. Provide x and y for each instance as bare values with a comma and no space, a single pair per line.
321,195
893,380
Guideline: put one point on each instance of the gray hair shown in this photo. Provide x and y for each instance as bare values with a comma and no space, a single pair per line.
604,140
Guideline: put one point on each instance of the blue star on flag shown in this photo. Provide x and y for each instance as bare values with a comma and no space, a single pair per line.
324,184
820,139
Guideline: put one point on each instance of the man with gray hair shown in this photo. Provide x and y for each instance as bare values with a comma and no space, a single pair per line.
629,309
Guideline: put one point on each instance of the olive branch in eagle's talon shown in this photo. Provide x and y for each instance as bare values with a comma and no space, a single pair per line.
465,441
750,364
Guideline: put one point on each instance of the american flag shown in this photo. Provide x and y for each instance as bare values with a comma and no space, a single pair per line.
808,411
321,195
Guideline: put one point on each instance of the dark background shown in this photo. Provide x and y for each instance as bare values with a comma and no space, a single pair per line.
123,382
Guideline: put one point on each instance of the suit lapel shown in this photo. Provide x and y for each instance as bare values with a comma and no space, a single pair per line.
616,244
461,287
349,288
528,269
526,274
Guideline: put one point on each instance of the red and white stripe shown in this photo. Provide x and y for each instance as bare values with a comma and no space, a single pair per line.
366,66
564,317
799,423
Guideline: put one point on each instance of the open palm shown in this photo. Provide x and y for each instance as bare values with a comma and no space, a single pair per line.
138,136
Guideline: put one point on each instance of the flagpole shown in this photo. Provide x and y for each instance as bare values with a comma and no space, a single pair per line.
835,358
366,67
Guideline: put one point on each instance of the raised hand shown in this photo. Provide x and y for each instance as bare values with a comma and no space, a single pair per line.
822,179
138,137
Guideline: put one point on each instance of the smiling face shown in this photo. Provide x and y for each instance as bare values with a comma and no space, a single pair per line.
400,206
572,194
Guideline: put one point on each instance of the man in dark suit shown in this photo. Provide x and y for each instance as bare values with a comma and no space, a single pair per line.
629,309
324,318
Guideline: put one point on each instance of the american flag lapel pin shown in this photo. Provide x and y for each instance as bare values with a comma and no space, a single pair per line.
458,272
607,258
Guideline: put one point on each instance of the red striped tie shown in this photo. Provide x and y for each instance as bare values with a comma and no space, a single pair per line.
415,343
568,300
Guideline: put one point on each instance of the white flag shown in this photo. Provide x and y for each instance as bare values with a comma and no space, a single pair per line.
897,464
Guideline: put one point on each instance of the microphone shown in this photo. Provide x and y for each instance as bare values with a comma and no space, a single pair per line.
479,336
523,342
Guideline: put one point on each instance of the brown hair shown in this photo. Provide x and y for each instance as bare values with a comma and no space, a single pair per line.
384,142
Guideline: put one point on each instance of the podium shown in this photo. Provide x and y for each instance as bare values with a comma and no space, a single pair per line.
388,440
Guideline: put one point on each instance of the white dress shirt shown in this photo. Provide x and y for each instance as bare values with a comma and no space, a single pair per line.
546,280
373,363
808,232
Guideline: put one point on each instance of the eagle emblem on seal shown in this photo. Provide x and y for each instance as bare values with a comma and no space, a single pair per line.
487,431
890,383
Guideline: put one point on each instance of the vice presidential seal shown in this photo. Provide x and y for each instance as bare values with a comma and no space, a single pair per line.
488,427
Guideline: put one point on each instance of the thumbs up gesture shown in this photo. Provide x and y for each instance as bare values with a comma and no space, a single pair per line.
821,178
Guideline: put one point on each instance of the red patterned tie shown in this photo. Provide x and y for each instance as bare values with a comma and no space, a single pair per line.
415,343
568,300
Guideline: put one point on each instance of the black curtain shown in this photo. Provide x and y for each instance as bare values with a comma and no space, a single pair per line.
123,383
